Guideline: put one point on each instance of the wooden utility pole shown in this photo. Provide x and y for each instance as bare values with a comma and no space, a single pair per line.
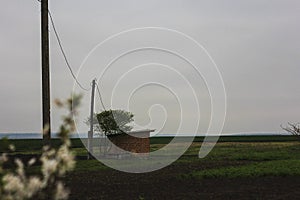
45,72
91,132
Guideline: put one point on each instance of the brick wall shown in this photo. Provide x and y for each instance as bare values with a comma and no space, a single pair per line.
136,142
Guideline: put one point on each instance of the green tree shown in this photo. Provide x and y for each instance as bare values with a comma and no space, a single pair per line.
115,121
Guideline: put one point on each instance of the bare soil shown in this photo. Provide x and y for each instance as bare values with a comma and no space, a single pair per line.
167,184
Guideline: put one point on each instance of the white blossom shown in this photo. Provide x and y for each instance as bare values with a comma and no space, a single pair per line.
61,193
20,168
3,158
31,161
13,183
66,159
49,166
12,147
34,185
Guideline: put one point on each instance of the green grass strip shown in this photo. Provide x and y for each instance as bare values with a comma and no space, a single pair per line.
268,168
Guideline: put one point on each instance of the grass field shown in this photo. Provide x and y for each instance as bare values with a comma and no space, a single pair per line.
263,161
260,155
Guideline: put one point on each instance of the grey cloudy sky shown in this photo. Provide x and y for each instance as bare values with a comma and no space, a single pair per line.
255,44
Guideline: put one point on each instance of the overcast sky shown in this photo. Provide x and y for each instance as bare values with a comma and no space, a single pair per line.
255,44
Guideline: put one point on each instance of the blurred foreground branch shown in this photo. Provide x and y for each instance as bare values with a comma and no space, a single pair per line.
15,184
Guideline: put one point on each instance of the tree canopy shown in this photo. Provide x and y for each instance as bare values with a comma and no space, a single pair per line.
115,121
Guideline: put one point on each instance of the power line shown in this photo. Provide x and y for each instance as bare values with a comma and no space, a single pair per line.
63,52
67,62
101,100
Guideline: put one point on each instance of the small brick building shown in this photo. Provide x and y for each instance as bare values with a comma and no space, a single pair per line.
132,142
